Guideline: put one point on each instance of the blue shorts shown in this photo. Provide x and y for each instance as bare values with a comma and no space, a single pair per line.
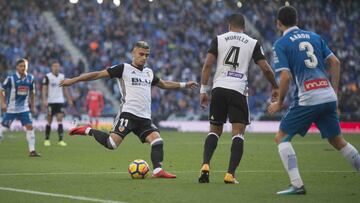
23,117
298,120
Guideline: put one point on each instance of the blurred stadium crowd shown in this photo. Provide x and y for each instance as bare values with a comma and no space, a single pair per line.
179,33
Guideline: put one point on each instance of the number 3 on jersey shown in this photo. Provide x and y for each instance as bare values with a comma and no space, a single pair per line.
313,61
232,57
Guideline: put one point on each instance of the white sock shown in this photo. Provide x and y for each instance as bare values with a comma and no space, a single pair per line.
30,137
288,157
157,170
87,130
351,155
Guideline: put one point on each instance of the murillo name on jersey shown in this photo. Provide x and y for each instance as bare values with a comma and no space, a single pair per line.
234,52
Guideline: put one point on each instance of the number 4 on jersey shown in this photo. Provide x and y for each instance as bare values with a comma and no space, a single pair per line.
232,57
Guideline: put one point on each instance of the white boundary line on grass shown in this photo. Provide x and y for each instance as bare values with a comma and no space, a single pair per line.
123,172
59,195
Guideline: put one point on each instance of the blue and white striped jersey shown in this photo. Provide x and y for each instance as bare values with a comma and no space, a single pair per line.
17,92
303,53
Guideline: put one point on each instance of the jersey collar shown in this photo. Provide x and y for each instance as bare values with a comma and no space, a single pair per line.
18,75
290,29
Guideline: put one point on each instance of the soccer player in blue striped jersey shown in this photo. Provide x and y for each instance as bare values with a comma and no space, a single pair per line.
301,55
18,91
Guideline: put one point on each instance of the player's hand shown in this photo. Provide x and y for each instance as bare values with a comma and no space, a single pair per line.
192,85
204,100
274,107
3,107
66,82
274,94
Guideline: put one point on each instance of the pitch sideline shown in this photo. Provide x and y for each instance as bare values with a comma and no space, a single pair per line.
82,198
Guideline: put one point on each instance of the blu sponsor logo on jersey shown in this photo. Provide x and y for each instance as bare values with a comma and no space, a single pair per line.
140,82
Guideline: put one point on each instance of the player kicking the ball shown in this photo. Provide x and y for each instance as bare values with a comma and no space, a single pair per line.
301,55
134,115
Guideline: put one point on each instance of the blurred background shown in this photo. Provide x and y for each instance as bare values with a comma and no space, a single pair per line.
89,35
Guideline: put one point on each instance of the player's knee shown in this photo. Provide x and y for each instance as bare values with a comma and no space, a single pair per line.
29,127
157,142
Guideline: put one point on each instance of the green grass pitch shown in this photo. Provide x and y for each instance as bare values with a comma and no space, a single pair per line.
85,168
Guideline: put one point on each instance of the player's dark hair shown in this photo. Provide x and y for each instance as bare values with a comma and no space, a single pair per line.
141,44
54,61
287,15
236,20
21,61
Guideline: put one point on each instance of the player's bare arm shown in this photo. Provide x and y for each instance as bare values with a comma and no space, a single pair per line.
270,76
285,78
334,64
85,77
164,84
32,102
68,96
205,75
2,100
44,91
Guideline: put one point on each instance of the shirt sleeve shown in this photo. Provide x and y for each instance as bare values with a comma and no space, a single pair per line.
280,59
325,49
45,81
7,83
32,86
155,81
116,71
258,53
214,47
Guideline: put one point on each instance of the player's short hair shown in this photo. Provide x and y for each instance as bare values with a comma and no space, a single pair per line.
236,20
141,44
287,15
22,60
52,61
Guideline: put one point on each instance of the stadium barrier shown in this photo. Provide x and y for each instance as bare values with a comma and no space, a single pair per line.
191,126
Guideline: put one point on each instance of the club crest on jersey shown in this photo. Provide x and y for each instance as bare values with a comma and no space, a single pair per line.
316,84
235,74
121,129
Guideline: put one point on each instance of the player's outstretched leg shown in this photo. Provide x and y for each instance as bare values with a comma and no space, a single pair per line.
209,149
100,136
237,150
288,158
347,150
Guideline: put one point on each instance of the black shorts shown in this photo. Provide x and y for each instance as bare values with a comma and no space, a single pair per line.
55,108
226,103
127,122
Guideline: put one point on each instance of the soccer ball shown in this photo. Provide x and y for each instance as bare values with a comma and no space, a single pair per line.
138,169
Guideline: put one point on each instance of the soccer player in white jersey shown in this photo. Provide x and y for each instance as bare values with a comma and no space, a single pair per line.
134,116
301,55
53,100
232,53
18,90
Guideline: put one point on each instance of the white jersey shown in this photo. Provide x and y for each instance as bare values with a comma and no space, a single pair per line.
234,50
55,93
135,86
